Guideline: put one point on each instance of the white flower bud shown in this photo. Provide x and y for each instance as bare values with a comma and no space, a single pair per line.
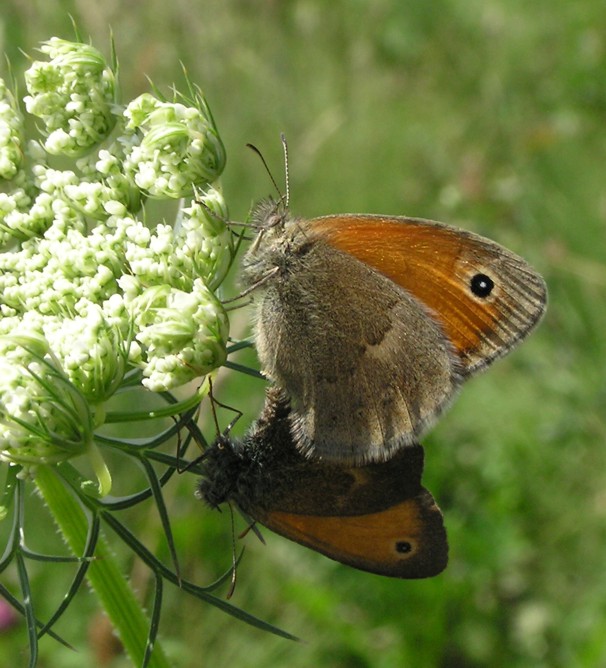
179,148
73,94
183,335
43,419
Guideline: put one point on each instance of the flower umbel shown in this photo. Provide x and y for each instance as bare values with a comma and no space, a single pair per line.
85,270
204,244
182,333
43,418
179,146
73,95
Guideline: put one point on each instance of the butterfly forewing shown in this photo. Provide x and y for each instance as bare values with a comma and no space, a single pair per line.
438,264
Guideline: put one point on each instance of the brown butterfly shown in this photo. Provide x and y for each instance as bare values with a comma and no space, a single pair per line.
371,323
376,517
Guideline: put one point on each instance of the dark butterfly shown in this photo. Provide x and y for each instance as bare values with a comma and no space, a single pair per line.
376,517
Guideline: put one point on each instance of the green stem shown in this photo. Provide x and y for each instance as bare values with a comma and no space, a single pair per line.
101,471
104,575
113,417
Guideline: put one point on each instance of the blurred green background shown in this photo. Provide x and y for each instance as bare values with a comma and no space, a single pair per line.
485,114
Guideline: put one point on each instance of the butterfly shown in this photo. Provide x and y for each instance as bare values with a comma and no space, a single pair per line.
375,517
371,323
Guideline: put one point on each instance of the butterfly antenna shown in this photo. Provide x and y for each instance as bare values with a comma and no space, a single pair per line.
286,172
271,176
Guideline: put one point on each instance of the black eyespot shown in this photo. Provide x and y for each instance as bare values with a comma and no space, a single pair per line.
403,547
481,285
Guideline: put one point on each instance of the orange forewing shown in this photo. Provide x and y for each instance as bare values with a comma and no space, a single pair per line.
435,263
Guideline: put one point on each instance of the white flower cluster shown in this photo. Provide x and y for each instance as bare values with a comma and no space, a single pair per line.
183,333
50,283
35,201
11,134
60,274
179,146
93,290
73,94
34,427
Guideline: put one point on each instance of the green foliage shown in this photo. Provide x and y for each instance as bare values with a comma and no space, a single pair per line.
485,114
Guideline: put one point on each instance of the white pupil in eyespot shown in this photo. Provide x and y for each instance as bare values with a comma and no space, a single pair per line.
481,285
